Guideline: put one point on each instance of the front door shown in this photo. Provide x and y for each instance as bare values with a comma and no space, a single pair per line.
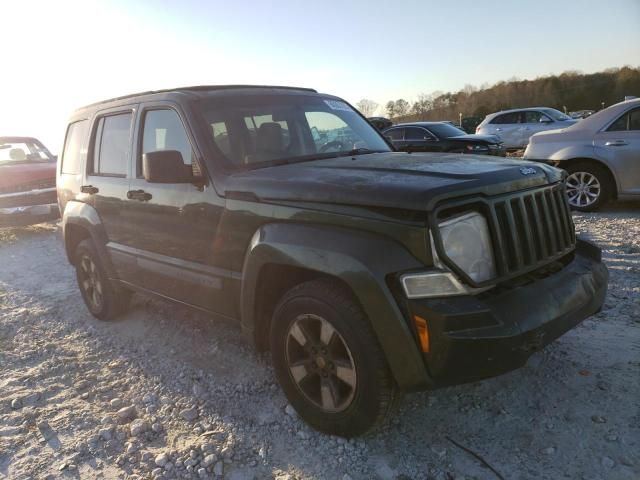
176,223
419,140
534,122
619,145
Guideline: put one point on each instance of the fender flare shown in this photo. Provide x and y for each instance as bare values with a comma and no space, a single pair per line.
360,259
84,215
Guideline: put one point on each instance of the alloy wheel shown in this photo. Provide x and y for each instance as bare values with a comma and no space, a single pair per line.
583,189
90,282
321,363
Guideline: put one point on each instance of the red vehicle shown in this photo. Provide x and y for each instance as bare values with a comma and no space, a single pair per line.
27,182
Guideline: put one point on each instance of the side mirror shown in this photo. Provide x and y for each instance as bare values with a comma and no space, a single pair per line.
166,166
389,139
545,120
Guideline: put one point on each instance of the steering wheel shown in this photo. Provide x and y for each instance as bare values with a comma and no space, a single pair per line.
338,145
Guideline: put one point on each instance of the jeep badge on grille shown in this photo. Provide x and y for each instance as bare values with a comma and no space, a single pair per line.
528,170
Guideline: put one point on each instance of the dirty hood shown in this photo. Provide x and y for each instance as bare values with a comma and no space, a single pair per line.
390,180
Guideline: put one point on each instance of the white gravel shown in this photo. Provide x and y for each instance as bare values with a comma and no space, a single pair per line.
169,393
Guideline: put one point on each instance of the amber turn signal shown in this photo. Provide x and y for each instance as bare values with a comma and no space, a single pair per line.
423,332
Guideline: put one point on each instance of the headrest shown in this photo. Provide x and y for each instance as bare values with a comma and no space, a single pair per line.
269,138
17,154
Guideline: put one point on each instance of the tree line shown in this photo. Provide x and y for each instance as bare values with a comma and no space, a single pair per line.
569,91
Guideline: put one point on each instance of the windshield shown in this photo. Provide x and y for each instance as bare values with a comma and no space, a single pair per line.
23,151
557,115
445,130
253,131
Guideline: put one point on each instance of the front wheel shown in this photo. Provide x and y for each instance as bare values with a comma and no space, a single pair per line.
587,186
328,360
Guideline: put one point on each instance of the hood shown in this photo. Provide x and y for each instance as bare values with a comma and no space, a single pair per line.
389,180
16,175
471,137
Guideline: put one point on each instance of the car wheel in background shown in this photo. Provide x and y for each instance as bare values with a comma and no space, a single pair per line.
328,360
103,298
588,186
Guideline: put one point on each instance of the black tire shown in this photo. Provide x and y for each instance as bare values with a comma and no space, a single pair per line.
95,285
588,170
358,408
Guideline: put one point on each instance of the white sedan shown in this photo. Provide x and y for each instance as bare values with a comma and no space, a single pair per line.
600,153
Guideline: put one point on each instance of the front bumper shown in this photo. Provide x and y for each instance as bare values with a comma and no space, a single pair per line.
28,208
472,338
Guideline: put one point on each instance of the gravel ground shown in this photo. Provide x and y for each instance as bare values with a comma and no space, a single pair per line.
167,393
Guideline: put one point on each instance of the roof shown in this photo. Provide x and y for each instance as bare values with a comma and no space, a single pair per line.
15,139
524,109
198,89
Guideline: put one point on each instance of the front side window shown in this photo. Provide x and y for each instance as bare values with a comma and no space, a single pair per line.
628,121
112,145
163,130
446,130
556,115
414,133
507,118
533,116
75,147
253,131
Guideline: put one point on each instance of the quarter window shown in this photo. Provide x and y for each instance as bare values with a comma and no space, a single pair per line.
75,148
112,152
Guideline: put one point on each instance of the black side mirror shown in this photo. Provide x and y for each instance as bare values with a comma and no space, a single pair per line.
166,166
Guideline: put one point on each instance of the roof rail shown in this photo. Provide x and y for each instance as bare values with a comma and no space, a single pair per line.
196,88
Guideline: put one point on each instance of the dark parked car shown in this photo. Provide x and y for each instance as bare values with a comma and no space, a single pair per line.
442,137
27,182
366,272
380,122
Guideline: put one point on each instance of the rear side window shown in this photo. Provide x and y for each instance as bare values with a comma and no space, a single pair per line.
112,145
75,147
513,117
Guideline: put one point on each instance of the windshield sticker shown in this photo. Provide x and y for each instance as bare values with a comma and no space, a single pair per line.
338,105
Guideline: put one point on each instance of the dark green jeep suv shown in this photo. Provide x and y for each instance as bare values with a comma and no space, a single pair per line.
366,272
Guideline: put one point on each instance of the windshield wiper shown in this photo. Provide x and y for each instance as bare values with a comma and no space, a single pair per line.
362,151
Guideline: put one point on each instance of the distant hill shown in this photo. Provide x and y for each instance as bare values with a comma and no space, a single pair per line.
573,90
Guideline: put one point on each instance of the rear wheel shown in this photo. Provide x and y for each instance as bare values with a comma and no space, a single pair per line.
588,186
103,298
328,360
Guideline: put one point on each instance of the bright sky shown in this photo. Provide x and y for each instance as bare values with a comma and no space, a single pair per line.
59,55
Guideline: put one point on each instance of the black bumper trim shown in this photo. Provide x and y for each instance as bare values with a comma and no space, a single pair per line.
472,339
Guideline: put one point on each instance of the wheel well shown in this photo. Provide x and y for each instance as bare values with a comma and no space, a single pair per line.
73,235
273,282
610,178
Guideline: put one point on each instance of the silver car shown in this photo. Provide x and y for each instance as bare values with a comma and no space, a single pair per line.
514,127
600,153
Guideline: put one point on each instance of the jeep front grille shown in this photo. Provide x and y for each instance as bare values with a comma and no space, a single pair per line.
529,229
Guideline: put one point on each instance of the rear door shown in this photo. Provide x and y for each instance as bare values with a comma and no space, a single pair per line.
619,145
107,180
176,224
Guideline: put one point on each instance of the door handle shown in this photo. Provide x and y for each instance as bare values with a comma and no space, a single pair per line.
140,195
90,189
615,143
498,129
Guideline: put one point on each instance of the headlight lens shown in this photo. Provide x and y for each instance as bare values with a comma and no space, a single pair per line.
467,243
477,147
